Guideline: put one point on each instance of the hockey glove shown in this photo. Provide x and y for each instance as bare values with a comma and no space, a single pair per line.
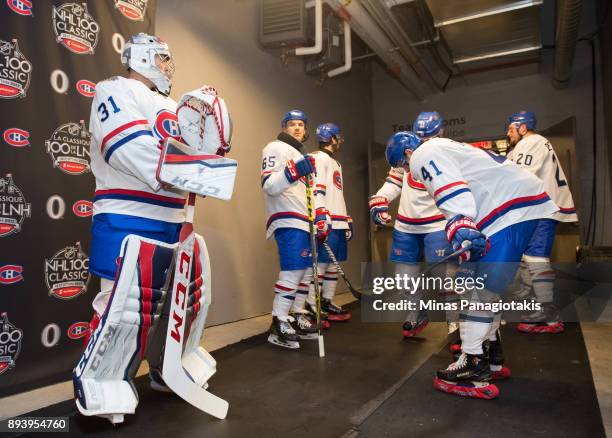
322,223
349,232
379,210
462,231
297,169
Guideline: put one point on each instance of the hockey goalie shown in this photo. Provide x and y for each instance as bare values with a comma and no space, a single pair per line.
155,271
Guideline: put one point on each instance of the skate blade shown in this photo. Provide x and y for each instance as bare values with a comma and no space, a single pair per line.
501,374
470,389
525,327
412,333
337,318
309,336
292,345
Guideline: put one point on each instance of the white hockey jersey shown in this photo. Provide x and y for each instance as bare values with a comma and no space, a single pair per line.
490,189
127,123
417,211
285,201
535,154
329,189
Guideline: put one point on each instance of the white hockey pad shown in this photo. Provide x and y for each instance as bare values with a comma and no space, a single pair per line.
185,373
103,377
185,168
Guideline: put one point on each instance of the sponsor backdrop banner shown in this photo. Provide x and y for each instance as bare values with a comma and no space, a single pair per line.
52,54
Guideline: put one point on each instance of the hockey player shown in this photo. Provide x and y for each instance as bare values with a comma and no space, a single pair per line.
283,172
419,225
534,153
135,228
130,117
329,193
492,208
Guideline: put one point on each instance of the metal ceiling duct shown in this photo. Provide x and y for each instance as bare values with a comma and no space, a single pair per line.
568,22
370,32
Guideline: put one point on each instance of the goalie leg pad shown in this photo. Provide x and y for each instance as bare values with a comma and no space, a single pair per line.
103,377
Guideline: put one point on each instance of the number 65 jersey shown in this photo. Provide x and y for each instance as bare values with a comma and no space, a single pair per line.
489,189
535,154
127,123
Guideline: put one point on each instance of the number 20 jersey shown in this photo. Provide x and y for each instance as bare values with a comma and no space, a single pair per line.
128,122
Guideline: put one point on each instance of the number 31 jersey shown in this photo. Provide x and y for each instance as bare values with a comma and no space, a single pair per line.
535,154
489,189
128,122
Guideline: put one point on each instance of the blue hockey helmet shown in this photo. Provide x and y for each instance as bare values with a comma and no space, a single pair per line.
326,131
398,143
294,114
526,117
427,124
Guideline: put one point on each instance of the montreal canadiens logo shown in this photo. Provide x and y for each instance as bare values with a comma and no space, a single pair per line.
86,88
10,343
82,208
69,148
11,274
13,207
67,272
132,9
75,28
21,7
77,330
166,125
337,180
15,71
16,137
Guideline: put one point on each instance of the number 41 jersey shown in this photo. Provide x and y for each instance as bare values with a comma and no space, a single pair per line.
128,122
489,189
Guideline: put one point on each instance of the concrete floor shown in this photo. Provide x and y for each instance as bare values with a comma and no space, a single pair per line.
597,336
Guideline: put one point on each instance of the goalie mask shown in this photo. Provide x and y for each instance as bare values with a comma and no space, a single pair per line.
150,56
204,121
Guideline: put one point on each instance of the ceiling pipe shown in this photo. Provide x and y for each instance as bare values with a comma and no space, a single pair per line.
318,46
348,53
364,25
386,20
568,22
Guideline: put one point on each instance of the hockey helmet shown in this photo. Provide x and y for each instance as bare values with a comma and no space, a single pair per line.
523,117
326,131
294,114
427,124
139,54
398,143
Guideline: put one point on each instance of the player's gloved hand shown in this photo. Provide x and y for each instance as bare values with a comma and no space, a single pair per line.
322,223
297,169
379,210
461,231
349,232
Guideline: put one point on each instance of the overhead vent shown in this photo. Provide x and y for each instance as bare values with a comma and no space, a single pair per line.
282,23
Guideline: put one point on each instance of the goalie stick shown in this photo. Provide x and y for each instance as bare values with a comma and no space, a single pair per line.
176,377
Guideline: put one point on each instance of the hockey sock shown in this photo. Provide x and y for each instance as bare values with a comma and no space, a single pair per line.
410,270
475,325
302,292
330,281
542,278
284,289
494,326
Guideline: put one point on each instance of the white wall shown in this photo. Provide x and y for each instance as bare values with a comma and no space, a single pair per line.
215,42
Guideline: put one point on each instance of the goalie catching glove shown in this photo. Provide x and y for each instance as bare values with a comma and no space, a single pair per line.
461,231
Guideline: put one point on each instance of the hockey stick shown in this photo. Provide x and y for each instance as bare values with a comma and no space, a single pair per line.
447,258
313,253
332,257
173,372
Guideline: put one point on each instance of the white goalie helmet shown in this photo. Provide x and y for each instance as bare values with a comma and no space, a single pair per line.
205,121
141,54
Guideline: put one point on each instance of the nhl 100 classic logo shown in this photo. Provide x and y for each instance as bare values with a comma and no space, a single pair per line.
132,9
69,148
75,28
13,207
10,343
67,272
15,71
